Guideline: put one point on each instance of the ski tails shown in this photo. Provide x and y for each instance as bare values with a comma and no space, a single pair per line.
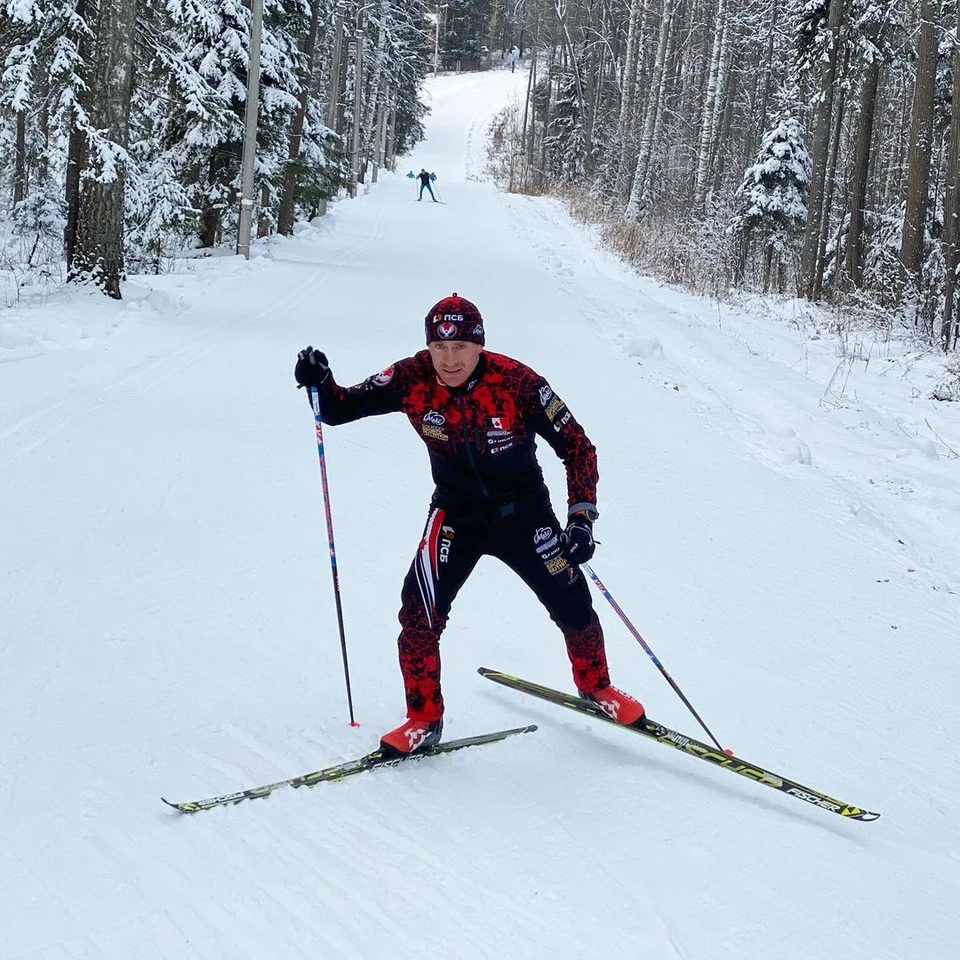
688,745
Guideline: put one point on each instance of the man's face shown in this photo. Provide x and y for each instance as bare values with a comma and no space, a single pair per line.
454,360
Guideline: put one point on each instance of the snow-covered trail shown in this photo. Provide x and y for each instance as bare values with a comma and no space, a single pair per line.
168,623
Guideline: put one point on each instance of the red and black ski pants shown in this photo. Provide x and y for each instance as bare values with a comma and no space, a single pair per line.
527,541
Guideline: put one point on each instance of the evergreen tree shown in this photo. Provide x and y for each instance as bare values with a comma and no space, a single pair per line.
463,32
774,194
409,57
566,142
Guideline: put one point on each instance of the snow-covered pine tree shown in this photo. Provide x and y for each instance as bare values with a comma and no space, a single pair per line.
174,149
216,47
407,57
97,254
42,117
565,144
463,34
774,196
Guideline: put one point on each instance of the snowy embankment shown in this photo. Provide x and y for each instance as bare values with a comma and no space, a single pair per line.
782,524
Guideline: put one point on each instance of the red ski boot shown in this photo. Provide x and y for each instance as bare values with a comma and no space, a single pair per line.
412,736
617,705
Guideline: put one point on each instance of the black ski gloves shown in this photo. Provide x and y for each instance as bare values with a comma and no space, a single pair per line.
577,539
312,369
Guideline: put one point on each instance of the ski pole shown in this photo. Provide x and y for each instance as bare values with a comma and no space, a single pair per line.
650,653
315,403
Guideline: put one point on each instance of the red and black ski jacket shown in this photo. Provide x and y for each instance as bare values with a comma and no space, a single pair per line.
482,436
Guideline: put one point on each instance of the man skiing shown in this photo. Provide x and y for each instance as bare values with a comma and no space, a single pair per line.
479,414
425,179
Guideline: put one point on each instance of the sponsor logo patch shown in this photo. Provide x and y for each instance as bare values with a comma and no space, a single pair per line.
553,408
500,437
447,330
383,378
446,542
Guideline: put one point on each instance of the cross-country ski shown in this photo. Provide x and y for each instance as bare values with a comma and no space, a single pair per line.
371,761
652,730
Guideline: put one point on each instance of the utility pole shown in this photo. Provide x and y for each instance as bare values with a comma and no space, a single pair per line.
436,38
250,130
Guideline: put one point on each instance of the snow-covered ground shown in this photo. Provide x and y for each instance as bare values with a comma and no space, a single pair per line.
782,523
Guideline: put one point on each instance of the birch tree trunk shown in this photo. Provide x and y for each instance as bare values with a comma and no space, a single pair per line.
921,146
710,108
99,247
626,160
641,177
719,155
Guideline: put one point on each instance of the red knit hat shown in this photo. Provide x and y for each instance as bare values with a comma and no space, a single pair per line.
454,318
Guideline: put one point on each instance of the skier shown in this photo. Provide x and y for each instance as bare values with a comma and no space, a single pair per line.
479,413
425,179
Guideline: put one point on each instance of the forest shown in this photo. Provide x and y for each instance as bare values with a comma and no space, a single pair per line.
802,148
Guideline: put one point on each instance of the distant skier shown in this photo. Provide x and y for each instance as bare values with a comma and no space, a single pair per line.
425,179
479,414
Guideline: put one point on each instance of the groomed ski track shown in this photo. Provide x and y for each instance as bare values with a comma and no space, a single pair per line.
168,623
